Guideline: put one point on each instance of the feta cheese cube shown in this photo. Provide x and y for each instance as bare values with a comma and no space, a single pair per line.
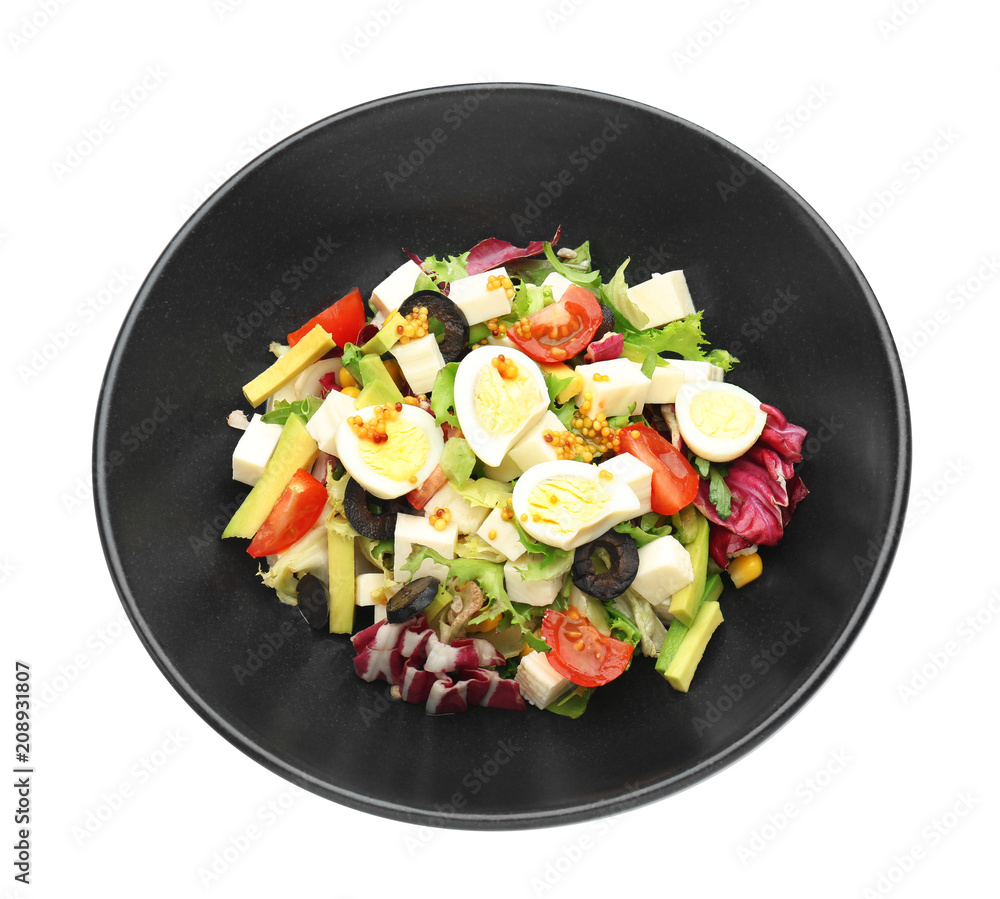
323,424
613,387
369,589
540,683
397,287
381,613
477,302
532,593
420,360
533,447
661,299
559,284
254,449
467,517
502,536
415,530
638,475
664,567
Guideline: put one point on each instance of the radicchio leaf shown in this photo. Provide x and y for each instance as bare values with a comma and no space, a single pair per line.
608,347
492,252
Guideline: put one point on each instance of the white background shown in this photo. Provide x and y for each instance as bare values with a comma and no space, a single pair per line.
884,783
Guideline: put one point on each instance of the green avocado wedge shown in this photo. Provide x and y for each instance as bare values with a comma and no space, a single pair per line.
295,449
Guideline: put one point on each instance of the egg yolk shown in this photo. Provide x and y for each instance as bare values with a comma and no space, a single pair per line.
721,415
403,454
565,504
502,403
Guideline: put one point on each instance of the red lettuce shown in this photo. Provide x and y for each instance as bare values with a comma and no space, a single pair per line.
493,252
608,347
765,490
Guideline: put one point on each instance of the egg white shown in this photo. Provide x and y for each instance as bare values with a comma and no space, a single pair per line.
710,446
580,520
348,448
489,441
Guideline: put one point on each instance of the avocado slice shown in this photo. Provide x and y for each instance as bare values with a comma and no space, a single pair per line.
315,344
678,630
681,669
379,386
684,603
295,449
387,336
341,590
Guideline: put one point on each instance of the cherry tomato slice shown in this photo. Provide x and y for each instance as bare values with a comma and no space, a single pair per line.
295,512
343,320
580,651
675,482
560,330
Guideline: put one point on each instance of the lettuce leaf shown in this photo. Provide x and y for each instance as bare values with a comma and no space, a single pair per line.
615,296
591,280
304,408
447,268
489,576
443,395
486,492
644,533
683,337
572,705
457,460
308,555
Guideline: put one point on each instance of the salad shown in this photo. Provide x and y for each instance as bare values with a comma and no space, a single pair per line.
507,477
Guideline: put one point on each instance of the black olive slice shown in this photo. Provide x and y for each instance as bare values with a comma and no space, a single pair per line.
312,601
411,598
379,525
607,324
623,556
456,326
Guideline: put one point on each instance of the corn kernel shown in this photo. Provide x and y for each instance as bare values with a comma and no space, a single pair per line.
744,569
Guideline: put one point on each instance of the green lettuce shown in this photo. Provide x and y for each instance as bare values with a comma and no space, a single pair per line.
308,555
591,280
443,395
490,578
683,337
457,460
486,492
304,408
447,268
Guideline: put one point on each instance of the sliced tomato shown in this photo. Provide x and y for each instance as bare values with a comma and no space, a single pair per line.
562,329
675,482
580,651
343,320
295,512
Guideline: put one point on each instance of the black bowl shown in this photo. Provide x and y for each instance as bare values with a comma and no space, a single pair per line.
435,171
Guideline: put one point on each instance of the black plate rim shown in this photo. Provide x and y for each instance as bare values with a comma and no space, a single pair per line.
568,815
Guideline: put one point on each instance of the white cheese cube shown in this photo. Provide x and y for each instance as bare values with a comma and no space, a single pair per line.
369,589
667,379
532,593
664,567
638,475
254,449
396,288
477,302
559,284
618,384
420,360
381,613
323,424
661,299
533,447
664,383
540,683
507,470
502,536
467,517
415,530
